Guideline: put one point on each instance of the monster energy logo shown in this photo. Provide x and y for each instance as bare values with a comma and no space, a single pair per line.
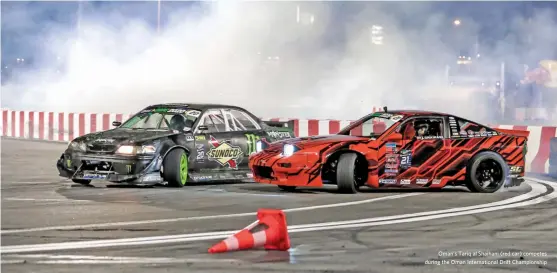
252,143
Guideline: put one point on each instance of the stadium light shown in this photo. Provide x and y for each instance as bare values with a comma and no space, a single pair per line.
456,22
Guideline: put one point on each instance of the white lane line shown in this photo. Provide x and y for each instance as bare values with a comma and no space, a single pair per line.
43,200
159,221
405,218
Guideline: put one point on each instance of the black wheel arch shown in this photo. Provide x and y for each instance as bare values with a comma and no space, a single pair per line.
173,148
328,171
479,152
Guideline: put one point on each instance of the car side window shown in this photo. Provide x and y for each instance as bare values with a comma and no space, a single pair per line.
243,120
468,128
214,121
423,128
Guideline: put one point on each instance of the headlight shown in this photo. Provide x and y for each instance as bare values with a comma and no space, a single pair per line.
288,150
75,145
131,150
258,146
126,149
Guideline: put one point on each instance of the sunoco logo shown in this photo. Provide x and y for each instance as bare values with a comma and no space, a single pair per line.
224,153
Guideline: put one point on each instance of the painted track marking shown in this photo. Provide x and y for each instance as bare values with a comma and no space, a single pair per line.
378,221
208,217
44,200
89,259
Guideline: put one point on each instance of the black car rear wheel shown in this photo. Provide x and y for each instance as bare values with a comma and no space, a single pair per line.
486,173
175,168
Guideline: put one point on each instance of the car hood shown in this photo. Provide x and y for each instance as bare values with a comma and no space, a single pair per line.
122,135
306,142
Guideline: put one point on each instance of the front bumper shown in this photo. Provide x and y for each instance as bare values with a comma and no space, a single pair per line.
297,170
118,169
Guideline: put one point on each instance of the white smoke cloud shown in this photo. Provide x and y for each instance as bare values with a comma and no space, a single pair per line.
226,52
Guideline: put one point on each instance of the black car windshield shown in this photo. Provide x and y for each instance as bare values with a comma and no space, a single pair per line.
163,119
372,125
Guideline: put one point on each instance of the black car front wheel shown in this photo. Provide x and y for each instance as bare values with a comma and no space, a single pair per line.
486,173
175,168
347,173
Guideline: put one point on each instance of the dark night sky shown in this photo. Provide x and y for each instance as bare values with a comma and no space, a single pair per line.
16,33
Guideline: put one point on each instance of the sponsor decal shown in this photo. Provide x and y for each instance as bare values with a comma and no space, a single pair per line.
384,115
397,118
429,137
199,138
391,147
202,177
94,176
129,168
391,166
391,170
516,169
387,181
193,113
104,140
189,138
200,157
69,163
421,181
392,158
405,159
151,177
436,181
177,111
224,153
278,134
405,182
249,175
252,143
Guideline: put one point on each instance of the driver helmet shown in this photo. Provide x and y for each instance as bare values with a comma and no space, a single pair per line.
178,122
422,128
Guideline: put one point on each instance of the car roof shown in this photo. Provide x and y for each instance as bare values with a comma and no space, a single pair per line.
198,106
416,113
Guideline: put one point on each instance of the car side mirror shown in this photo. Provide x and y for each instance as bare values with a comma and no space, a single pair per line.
203,128
394,137
116,123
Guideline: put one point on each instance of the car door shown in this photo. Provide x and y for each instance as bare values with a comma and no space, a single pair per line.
216,144
413,161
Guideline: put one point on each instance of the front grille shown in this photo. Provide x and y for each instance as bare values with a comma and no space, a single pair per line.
264,172
105,148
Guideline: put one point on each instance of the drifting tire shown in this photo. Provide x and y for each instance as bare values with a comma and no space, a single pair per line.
287,188
176,168
346,173
486,173
81,181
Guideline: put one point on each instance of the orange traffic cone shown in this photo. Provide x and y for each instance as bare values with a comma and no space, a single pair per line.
270,232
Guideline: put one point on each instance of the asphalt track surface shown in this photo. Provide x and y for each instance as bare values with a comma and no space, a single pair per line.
52,225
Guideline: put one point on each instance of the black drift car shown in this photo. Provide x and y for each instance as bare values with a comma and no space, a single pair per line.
171,144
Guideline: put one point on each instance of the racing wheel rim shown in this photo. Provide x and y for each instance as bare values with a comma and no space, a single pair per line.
183,169
489,174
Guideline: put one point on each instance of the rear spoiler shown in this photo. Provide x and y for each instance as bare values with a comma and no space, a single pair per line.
288,124
520,133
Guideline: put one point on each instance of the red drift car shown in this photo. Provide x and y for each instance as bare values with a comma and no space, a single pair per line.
397,149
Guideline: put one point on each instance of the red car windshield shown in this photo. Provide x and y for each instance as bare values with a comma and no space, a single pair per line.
372,125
